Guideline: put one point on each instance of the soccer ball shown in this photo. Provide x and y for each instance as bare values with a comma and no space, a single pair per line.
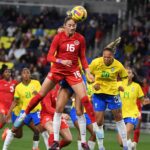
78,13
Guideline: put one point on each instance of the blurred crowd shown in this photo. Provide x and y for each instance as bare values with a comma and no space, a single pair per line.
25,39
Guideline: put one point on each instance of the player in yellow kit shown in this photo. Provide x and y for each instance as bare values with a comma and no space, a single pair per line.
130,112
106,70
24,91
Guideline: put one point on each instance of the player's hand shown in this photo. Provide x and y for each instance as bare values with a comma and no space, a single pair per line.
96,86
146,101
67,62
120,88
90,77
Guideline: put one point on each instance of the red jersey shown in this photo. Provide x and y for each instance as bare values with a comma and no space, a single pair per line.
7,89
67,48
49,102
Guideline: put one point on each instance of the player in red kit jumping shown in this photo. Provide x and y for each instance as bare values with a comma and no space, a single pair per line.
47,113
7,86
66,48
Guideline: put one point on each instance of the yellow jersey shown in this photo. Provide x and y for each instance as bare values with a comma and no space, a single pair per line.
24,93
17,108
107,76
131,93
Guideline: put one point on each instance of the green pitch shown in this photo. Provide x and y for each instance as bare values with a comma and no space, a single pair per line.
110,141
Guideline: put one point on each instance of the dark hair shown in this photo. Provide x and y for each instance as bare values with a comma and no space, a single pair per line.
109,49
25,69
136,77
67,19
4,67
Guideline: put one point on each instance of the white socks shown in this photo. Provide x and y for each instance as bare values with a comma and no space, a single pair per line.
82,128
56,125
45,137
91,145
100,137
122,132
35,144
8,140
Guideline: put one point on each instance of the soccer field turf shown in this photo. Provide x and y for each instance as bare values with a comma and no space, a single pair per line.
110,141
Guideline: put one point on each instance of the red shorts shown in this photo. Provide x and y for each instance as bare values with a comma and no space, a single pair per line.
45,118
72,79
3,109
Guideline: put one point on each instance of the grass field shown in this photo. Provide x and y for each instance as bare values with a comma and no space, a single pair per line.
110,141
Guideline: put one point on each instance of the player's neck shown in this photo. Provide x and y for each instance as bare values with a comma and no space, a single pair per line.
69,35
26,82
129,81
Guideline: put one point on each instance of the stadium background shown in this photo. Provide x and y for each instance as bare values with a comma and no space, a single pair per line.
28,27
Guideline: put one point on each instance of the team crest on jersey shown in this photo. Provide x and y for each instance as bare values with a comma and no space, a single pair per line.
112,69
133,89
76,42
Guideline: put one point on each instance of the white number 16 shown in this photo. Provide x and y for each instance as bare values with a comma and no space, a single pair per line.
70,47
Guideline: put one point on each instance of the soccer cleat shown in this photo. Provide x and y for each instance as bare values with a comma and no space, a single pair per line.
134,146
125,148
55,146
85,146
35,149
19,120
4,134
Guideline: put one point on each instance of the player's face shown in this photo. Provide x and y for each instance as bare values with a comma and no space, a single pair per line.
70,27
26,75
130,74
108,57
7,74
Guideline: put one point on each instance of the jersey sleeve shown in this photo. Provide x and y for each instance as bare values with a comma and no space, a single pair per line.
53,48
16,94
140,92
82,54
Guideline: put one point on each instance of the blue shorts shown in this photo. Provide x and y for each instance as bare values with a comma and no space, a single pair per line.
34,117
74,118
131,120
13,117
102,101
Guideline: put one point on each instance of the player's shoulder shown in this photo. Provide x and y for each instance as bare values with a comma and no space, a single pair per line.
35,81
136,84
19,85
118,63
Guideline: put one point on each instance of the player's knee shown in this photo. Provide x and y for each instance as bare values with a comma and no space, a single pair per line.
79,112
118,116
59,109
69,139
